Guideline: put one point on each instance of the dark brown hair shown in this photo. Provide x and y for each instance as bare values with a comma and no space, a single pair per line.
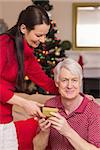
31,16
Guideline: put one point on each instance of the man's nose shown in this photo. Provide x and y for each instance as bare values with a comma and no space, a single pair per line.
69,84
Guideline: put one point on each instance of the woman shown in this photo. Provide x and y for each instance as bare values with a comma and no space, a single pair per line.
17,60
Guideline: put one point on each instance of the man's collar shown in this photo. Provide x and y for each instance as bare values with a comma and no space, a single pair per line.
80,109
83,104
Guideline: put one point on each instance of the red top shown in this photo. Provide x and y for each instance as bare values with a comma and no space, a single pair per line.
8,74
26,131
85,120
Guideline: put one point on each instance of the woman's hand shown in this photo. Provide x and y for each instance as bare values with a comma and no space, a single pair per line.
33,108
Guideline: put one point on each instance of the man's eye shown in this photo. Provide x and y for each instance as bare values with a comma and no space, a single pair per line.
75,80
63,80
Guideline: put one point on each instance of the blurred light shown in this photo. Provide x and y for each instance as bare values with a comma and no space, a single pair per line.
38,60
26,78
46,52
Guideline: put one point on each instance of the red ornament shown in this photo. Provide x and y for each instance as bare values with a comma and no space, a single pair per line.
80,61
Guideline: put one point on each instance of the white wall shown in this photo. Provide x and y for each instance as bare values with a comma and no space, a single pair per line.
10,9
61,13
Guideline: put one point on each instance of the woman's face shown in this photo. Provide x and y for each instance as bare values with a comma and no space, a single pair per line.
37,35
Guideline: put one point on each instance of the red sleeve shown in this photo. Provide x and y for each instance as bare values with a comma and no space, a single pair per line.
5,92
38,76
94,126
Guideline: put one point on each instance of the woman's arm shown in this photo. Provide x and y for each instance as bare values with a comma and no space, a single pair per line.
32,108
37,75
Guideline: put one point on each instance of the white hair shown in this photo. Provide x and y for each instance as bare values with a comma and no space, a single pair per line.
69,64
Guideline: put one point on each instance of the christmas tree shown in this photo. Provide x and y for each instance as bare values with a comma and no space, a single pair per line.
50,53
46,54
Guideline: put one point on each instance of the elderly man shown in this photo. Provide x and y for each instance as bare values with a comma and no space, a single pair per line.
76,126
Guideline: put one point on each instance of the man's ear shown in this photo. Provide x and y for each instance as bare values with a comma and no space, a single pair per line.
56,83
23,28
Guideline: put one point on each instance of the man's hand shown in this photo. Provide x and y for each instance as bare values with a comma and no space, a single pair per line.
59,123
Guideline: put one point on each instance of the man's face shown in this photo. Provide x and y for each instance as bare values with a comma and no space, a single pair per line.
68,84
